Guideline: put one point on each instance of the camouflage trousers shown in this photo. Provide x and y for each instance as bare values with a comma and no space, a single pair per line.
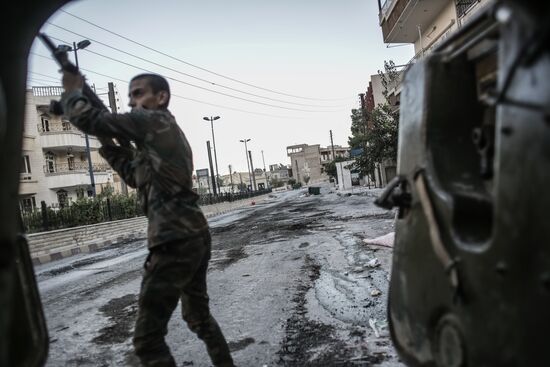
173,272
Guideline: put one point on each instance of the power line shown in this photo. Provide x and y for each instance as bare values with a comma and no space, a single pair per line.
44,75
198,86
37,83
196,66
44,81
188,99
186,74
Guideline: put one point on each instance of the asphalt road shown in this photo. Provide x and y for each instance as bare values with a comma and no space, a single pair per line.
291,284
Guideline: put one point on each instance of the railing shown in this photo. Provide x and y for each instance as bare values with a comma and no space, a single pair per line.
55,127
228,197
79,213
74,167
47,91
464,6
385,8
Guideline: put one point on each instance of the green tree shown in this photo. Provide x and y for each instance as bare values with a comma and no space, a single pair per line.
291,181
378,142
242,187
275,182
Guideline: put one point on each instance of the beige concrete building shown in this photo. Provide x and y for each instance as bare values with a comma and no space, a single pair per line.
54,164
279,172
423,23
308,161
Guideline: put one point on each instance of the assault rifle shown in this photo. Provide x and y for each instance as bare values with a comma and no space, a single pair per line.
59,53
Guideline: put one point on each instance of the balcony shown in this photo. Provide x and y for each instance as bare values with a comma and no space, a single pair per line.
27,184
62,135
76,174
64,168
400,19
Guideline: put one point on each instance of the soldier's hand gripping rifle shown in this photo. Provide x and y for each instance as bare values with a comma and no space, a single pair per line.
59,53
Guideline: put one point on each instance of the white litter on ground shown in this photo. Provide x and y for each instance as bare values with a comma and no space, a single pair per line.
385,240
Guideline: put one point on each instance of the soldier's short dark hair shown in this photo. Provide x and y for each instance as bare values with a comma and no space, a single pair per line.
158,83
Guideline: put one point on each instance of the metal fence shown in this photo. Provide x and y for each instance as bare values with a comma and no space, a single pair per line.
81,213
92,211
228,197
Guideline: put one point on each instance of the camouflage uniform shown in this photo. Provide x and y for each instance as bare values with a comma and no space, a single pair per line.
160,167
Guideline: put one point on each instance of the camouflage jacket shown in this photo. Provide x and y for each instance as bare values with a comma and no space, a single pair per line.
160,165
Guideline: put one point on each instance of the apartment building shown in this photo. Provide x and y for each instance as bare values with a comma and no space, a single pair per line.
423,23
327,156
279,172
308,161
54,163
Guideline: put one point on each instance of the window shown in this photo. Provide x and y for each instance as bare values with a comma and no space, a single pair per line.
294,150
65,125
27,204
25,164
62,198
45,122
80,193
70,162
50,162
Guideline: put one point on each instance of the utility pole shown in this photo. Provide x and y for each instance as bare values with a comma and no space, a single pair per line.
333,157
265,172
241,178
112,104
247,162
211,168
252,169
231,177
76,47
112,98
212,119
363,112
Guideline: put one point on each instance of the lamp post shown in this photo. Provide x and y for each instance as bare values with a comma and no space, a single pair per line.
247,164
212,119
79,46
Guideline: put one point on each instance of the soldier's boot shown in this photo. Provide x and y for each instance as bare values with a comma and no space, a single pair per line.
153,352
210,333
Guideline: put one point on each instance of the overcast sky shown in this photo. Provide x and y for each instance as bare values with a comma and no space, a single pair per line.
296,67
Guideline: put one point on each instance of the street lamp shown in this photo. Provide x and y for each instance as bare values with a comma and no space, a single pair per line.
247,164
212,119
80,46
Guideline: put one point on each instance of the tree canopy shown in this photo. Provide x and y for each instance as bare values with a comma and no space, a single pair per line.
376,139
